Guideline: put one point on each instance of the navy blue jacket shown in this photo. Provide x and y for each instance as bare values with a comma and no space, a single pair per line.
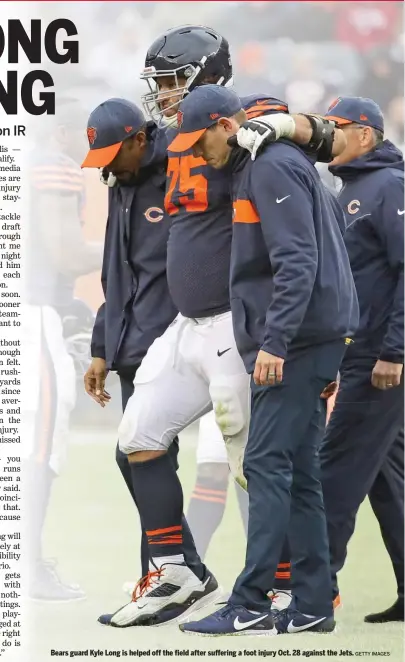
291,283
372,198
137,307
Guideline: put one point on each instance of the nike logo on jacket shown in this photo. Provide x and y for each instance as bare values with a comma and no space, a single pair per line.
291,283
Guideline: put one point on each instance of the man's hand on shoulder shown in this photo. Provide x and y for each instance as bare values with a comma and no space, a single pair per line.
256,134
314,133
386,375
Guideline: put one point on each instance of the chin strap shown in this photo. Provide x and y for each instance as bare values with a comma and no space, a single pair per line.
321,143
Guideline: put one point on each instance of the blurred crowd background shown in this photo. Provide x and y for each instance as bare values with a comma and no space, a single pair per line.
306,53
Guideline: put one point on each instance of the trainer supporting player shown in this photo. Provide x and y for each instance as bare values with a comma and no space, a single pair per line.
293,304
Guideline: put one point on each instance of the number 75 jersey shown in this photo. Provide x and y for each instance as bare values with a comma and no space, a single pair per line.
199,201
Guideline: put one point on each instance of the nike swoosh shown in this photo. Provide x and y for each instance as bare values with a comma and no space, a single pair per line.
242,626
225,350
298,628
281,199
401,213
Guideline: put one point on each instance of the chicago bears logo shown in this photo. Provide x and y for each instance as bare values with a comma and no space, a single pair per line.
180,116
353,206
154,214
91,134
333,104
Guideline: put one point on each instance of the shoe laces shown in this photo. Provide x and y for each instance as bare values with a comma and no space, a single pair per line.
228,609
283,616
276,594
146,583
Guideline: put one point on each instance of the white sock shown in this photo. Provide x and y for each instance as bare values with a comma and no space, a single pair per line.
158,561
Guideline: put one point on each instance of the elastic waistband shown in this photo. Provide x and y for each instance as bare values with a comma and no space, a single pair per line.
212,319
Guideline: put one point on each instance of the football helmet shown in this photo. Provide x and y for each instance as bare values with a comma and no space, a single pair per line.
193,53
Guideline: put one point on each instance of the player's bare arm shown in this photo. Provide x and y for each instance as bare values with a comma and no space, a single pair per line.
319,135
303,133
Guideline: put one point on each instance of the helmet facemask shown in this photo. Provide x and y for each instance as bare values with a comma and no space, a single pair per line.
188,72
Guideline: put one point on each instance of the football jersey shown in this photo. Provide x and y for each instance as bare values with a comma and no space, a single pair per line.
199,201
51,172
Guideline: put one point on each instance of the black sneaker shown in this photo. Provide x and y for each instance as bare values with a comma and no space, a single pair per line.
394,613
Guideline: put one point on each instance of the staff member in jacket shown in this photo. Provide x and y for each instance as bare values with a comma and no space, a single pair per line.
138,307
363,451
364,445
293,305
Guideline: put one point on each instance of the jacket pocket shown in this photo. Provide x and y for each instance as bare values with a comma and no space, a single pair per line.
328,359
244,341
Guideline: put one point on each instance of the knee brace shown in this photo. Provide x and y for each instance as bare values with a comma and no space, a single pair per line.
230,399
230,406
211,446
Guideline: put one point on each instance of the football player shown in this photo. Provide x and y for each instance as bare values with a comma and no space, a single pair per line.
195,366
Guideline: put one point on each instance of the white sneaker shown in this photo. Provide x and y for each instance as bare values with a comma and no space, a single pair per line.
280,600
170,593
129,588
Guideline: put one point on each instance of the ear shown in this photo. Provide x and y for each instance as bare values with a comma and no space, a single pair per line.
366,136
227,123
140,138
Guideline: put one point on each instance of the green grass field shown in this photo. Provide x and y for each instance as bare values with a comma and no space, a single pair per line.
93,531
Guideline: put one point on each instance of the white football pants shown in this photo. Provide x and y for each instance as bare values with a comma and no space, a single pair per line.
192,368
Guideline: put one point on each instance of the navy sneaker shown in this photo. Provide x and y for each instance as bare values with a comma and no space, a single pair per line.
232,620
289,621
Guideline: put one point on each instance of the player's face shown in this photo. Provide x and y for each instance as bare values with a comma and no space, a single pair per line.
359,139
170,93
128,160
213,144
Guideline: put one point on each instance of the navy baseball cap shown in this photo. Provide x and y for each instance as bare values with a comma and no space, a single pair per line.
111,123
201,109
356,110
